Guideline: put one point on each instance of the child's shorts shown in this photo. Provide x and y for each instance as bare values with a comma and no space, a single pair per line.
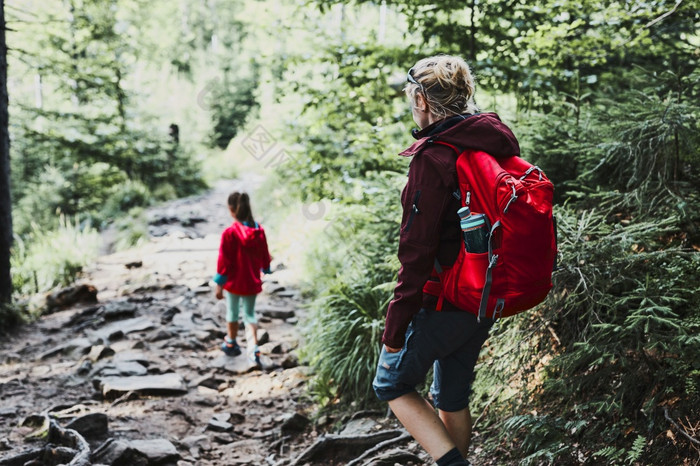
233,303
449,341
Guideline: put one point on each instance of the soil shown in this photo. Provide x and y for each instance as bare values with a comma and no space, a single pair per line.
137,358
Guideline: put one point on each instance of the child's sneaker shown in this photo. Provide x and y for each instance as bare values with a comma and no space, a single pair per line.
254,356
230,347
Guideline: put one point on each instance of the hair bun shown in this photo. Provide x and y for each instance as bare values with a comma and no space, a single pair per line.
447,84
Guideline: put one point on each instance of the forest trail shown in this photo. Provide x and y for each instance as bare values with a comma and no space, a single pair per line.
140,374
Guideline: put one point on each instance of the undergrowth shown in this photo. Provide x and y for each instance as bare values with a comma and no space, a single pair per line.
48,259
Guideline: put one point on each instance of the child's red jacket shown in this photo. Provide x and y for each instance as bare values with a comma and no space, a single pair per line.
243,255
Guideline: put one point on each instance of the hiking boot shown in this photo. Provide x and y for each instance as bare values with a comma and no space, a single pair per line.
254,356
230,347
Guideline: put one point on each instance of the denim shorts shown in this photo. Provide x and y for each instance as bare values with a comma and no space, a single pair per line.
449,341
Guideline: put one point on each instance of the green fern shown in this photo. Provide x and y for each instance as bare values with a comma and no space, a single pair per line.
637,450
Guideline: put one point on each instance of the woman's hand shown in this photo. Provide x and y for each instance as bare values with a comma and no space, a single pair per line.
219,292
391,350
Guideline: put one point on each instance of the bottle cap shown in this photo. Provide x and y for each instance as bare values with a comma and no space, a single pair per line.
463,212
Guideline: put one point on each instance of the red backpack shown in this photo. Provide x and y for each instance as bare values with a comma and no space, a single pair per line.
516,272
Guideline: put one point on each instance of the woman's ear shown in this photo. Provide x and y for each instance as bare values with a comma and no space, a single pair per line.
420,102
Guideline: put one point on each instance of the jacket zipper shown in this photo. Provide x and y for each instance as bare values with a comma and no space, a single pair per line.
414,211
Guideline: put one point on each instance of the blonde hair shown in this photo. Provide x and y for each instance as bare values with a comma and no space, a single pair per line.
447,84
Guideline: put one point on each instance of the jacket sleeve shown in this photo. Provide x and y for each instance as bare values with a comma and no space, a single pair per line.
425,200
266,258
223,265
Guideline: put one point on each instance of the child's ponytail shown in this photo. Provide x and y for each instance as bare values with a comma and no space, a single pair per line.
240,206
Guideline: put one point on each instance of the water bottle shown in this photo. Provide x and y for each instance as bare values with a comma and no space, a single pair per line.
475,230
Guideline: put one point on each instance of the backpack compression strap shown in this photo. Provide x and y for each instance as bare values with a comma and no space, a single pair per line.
493,260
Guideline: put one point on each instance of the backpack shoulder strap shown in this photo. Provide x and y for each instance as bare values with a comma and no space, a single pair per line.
458,150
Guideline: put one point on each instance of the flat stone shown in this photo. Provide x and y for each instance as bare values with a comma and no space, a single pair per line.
271,348
263,337
168,314
157,451
89,314
118,310
123,369
201,335
115,451
237,365
161,384
91,425
132,356
98,352
290,361
272,287
267,364
76,345
160,334
196,444
52,352
184,319
276,313
207,392
219,426
208,380
123,327
195,324
222,417
359,427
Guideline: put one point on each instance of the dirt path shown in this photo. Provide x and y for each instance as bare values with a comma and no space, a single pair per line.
141,376
156,317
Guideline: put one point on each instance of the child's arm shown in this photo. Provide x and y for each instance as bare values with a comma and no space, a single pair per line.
266,257
220,277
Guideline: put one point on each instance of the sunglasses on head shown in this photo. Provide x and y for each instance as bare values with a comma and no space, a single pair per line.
412,80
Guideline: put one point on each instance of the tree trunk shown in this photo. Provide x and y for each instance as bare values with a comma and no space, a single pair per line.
5,197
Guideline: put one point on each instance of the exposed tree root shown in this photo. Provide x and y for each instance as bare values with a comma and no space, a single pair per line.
65,446
377,448
338,446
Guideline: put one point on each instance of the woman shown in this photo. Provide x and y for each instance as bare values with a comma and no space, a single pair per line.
416,336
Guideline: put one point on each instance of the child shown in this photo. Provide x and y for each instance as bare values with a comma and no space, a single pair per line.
242,255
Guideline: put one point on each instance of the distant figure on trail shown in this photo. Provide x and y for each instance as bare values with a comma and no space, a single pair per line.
243,255
417,336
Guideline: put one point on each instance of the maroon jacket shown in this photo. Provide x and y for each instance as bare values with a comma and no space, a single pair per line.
430,224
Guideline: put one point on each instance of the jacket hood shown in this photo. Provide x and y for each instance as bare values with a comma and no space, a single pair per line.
482,131
250,236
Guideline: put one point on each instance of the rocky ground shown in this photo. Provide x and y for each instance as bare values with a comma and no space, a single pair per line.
127,368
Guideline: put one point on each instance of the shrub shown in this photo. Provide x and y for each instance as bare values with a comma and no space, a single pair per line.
126,196
46,259
232,103
356,267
